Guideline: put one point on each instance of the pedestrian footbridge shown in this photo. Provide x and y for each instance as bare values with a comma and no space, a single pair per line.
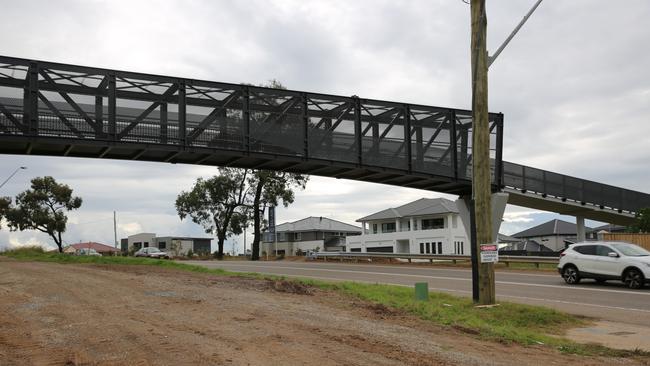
77,111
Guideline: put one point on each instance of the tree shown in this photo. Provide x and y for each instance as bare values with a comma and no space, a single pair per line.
271,188
218,204
642,224
43,208
5,204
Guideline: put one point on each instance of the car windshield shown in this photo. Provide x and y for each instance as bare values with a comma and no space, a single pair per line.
154,250
631,250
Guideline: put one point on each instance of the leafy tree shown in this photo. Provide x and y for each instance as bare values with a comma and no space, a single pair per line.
218,204
43,208
642,224
271,188
5,204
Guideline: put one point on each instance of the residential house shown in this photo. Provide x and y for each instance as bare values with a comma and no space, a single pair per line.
102,249
311,233
179,245
425,226
555,234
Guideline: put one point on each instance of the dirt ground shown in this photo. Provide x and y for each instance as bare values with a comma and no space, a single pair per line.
52,314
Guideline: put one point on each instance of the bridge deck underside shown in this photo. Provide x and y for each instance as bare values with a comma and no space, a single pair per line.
229,158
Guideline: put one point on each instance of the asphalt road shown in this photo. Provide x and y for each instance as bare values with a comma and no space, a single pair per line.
610,301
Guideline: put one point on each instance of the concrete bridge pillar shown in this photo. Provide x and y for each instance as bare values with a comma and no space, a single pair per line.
499,201
582,234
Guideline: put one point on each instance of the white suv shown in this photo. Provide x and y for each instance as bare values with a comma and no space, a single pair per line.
604,261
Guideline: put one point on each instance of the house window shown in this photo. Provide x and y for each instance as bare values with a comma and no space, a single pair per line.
439,247
433,248
298,236
388,227
162,245
374,228
421,248
146,244
430,224
428,248
462,247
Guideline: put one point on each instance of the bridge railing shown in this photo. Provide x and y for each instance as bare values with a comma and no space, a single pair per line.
48,99
564,187
355,256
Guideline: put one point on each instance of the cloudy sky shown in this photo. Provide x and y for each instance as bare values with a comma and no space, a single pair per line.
574,87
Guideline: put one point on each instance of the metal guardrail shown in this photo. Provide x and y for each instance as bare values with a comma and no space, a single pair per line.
507,259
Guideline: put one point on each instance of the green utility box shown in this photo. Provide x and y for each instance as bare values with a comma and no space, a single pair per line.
422,291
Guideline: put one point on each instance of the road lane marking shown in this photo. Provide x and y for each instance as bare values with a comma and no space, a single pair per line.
563,287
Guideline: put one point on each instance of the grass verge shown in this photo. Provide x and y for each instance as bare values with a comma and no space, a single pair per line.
507,323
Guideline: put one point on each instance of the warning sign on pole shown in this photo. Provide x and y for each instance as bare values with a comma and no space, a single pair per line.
489,253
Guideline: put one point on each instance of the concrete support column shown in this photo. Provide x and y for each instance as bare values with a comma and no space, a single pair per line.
363,228
397,223
499,201
411,226
582,234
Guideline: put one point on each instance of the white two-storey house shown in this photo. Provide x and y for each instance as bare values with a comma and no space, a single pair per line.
425,226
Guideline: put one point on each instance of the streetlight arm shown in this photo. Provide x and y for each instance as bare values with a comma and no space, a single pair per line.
514,32
11,176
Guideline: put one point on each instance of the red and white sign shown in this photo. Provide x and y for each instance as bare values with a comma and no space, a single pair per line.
489,253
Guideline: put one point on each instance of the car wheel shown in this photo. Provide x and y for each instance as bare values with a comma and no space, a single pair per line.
633,278
571,275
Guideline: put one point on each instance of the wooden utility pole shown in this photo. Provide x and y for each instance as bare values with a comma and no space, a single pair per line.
481,184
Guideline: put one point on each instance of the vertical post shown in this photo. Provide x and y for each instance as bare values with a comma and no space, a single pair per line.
498,168
474,251
99,116
115,227
407,137
357,128
481,182
453,144
375,137
580,223
112,107
305,125
464,146
30,100
182,113
164,122
419,146
247,120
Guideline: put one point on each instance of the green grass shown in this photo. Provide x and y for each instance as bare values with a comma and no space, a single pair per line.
507,323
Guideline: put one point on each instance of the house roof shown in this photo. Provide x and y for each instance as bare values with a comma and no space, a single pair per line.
99,247
421,207
313,223
549,228
527,245
610,228
503,238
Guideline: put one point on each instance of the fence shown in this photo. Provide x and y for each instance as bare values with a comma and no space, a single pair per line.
642,240
507,259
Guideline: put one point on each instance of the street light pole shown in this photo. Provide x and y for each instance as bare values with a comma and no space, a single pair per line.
12,174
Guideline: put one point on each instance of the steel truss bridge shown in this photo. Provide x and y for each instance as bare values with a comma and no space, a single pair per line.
67,110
